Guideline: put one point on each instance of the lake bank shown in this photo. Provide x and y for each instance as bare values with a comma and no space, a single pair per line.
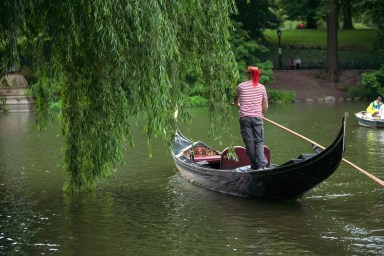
308,84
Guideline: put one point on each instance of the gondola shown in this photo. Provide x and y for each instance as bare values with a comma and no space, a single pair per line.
214,170
365,119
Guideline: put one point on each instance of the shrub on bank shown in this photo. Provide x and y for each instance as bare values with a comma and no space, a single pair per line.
372,85
281,96
197,101
273,96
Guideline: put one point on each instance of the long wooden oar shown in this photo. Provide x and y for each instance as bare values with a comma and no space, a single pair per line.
312,142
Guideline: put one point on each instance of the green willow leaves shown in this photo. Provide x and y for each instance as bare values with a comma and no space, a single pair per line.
114,59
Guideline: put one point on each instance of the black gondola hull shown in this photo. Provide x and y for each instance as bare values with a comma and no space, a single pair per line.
285,182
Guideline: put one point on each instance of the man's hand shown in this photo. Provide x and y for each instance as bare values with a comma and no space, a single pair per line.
235,104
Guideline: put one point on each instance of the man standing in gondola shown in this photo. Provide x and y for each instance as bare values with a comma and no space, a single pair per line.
251,98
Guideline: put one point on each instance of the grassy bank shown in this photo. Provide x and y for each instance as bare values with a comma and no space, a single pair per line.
356,48
355,39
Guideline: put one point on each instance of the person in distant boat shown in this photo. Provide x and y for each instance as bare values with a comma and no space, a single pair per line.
252,101
381,112
374,107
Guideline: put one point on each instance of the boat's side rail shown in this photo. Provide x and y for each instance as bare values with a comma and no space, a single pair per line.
301,158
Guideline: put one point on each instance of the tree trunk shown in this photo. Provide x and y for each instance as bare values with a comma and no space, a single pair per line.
332,45
311,22
347,14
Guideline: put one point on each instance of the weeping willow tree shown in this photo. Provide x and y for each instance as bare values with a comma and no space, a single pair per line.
113,59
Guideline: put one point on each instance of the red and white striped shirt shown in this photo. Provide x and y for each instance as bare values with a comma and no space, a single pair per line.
250,99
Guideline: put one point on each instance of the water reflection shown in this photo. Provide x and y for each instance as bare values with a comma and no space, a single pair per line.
368,149
249,226
231,224
16,220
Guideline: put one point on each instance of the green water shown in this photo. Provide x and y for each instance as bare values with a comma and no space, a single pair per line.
146,208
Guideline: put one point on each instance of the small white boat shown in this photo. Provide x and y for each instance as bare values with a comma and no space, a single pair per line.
367,120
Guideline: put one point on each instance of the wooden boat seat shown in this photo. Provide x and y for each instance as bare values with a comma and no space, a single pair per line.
210,159
243,159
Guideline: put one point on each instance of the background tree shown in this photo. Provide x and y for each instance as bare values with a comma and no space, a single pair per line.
331,12
346,10
247,45
113,59
246,51
9,31
374,10
304,10
307,10
256,16
370,11
373,81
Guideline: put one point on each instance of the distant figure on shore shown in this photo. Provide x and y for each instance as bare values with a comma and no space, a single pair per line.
294,63
297,62
374,106
302,26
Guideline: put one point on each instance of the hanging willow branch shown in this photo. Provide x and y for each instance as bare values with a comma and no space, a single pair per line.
114,59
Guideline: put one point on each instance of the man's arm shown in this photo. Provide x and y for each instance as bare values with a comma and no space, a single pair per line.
264,105
370,109
236,101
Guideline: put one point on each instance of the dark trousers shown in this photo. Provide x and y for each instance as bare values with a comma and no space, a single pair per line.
252,131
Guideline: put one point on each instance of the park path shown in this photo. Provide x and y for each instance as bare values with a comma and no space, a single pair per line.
308,84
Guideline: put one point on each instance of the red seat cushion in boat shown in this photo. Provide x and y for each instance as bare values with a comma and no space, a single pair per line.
243,158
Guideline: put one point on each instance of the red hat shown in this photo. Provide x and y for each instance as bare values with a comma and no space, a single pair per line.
255,74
